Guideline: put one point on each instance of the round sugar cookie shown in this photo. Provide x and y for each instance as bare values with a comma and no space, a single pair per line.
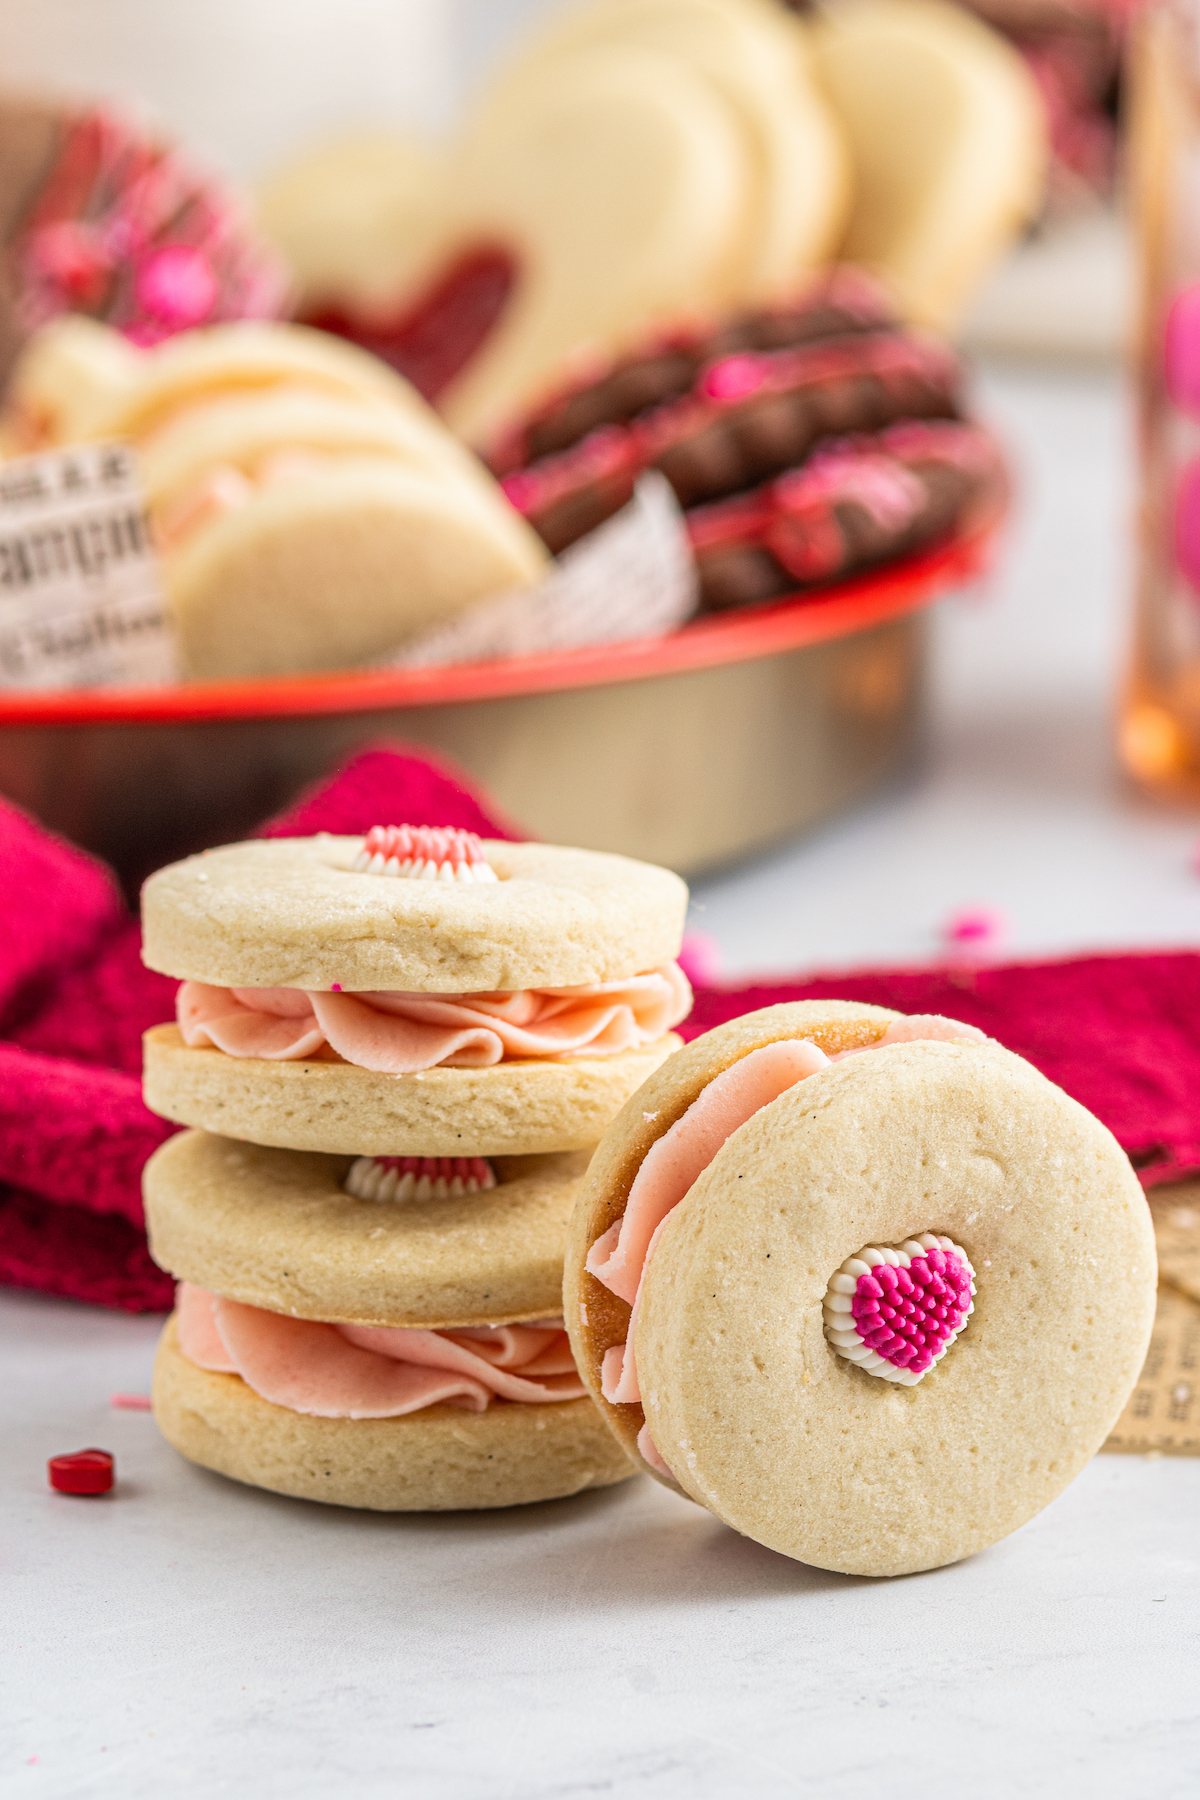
756,58
438,1460
519,1108
277,1229
70,370
292,912
758,1416
338,567
241,429
947,139
241,356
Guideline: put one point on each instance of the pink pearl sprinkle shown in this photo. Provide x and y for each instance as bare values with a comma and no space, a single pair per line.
733,378
700,958
521,490
177,286
974,925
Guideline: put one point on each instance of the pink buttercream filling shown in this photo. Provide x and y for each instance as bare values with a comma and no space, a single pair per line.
371,1371
399,1034
620,1257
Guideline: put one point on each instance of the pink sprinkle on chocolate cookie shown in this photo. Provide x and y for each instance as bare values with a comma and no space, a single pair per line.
896,1312
418,1177
424,853
733,377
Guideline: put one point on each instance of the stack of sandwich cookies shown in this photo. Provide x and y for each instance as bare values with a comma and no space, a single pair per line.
377,1323
867,1287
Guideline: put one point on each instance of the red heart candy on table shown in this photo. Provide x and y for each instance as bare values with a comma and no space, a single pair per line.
82,1472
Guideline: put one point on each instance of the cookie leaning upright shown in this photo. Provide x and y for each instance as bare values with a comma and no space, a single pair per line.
429,993
869,1288
417,1037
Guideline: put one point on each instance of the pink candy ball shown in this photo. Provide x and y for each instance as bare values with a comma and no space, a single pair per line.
176,286
700,958
975,925
1181,350
734,377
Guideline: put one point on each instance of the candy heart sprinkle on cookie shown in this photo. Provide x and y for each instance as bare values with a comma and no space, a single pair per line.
418,1177
424,853
896,1312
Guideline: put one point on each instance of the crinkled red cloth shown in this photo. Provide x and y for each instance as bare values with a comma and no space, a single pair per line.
1120,1033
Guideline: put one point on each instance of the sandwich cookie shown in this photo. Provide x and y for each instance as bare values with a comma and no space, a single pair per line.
947,137
372,1335
856,503
310,511
867,1287
415,992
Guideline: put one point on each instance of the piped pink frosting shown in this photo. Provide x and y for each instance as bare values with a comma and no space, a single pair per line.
369,1371
671,1167
399,1034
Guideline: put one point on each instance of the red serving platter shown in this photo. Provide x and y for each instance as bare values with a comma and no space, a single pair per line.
790,624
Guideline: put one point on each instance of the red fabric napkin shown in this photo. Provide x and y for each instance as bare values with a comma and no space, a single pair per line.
1120,1033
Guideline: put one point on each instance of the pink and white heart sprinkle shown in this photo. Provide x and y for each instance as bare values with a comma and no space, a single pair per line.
418,1177
895,1313
424,853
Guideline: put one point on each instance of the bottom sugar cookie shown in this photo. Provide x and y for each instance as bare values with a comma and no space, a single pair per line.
440,1459
869,1288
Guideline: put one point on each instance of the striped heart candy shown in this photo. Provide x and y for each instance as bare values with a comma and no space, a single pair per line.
896,1312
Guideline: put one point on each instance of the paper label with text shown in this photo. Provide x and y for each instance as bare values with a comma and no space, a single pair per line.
81,598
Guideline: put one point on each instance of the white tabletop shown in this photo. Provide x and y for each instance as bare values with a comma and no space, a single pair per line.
185,1636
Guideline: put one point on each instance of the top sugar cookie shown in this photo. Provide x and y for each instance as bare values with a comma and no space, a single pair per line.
295,912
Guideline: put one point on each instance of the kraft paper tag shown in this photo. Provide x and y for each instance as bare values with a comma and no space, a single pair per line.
633,577
1176,1214
1163,1413
81,602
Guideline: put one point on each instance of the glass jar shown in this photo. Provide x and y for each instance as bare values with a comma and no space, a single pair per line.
1160,717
